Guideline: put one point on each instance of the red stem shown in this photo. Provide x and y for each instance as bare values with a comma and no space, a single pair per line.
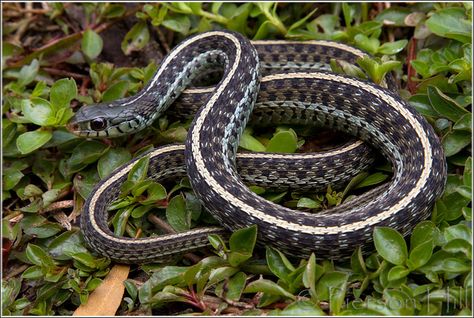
411,85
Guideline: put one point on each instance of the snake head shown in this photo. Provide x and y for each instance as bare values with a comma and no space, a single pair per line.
103,120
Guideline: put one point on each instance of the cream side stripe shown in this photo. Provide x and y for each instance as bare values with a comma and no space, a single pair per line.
314,42
266,218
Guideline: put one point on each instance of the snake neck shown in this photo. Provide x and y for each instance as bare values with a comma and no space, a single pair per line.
227,110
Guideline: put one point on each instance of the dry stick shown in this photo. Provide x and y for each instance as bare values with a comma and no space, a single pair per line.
168,229
59,205
85,83
162,39
16,271
60,72
411,85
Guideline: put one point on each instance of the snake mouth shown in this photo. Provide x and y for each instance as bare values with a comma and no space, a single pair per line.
74,128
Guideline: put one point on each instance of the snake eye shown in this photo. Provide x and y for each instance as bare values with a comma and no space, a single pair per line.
98,124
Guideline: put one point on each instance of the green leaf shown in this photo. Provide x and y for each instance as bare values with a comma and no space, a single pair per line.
177,214
139,170
455,265
267,287
307,203
391,48
264,31
156,192
178,23
278,263
136,38
393,298
450,23
357,261
393,15
190,274
458,231
181,7
66,244
44,230
370,45
459,246
390,245
309,276
87,152
85,258
140,211
348,12
38,111
11,177
376,70
284,141
131,288
373,179
93,284
421,254
51,196
221,273
114,11
398,272
238,18
10,290
423,232
91,44
455,141
120,219
302,308
168,275
444,105
111,160
455,201
332,287
248,142
28,73
236,286
33,272
422,104
465,191
85,181
300,22
467,175
464,123
9,50
243,240
39,257
218,244
193,205
62,92
116,91
32,140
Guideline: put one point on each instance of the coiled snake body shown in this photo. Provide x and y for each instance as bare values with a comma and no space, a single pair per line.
377,116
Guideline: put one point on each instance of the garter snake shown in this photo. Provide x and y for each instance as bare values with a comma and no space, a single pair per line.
376,115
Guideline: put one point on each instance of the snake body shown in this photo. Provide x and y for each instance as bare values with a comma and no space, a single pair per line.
376,115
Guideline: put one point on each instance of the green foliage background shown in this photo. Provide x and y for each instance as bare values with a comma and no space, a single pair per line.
48,172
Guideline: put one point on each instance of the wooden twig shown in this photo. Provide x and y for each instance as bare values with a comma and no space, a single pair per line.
165,227
411,85
16,271
59,72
